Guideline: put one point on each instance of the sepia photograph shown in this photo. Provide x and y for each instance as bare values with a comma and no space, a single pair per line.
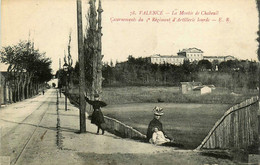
128,82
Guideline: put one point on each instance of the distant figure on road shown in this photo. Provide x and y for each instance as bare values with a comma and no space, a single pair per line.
155,123
43,91
97,117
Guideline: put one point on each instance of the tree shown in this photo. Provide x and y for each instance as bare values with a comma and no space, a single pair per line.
215,64
111,63
93,49
27,68
204,65
68,59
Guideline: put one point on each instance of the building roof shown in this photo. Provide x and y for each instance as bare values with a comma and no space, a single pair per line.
156,55
191,50
166,56
229,56
178,56
198,88
201,87
192,83
211,86
213,56
161,56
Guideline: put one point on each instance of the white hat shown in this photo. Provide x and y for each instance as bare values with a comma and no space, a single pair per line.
158,111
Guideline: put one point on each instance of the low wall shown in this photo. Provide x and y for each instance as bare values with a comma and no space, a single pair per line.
236,129
112,125
122,130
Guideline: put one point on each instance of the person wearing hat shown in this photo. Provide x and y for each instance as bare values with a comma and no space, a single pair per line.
155,123
97,117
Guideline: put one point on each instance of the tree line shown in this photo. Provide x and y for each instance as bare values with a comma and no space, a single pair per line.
232,74
28,70
139,71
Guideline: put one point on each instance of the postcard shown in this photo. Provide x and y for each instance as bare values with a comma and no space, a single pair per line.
129,82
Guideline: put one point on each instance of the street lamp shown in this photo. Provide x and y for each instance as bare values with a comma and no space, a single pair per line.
65,69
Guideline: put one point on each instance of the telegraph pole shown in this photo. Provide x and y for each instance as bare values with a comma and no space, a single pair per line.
59,77
82,103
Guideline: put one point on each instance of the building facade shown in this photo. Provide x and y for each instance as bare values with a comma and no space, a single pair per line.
219,58
186,87
190,54
161,59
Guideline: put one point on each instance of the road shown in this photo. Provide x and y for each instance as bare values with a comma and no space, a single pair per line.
39,131
23,124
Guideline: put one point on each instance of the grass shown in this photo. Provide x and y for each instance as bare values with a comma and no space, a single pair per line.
188,118
188,124
126,95
122,95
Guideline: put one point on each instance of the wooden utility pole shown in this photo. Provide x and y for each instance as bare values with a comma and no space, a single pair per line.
82,103
59,77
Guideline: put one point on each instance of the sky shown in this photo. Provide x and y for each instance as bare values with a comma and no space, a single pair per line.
48,23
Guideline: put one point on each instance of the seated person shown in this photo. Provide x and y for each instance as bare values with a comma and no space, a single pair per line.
158,112
158,137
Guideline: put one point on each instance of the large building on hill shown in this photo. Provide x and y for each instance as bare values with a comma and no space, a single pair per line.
190,54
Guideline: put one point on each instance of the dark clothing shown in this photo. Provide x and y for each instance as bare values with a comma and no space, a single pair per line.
154,123
97,116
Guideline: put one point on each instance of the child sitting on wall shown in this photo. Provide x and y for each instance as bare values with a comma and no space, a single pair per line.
158,137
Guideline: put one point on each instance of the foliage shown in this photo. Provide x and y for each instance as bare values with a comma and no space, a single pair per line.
139,71
23,58
27,69
67,59
68,76
204,65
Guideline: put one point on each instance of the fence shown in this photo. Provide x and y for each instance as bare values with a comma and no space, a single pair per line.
237,129
122,129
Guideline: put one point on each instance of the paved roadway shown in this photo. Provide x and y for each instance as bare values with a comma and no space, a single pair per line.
24,123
